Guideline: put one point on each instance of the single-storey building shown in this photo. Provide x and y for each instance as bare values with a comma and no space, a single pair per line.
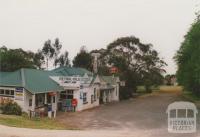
61,89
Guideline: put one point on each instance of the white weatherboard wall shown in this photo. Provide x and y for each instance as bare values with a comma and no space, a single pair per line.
115,94
21,101
90,92
80,101
27,97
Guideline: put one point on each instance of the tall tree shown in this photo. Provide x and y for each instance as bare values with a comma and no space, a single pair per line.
138,63
83,59
48,52
63,60
57,47
38,59
188,60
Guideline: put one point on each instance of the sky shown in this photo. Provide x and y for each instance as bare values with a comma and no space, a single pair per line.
28,24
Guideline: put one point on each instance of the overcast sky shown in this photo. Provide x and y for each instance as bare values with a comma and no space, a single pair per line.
95,23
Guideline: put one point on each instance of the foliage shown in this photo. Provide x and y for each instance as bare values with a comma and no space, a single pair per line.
188,60
63,60
138,63
83,59
168,79
13,59
51,51
11,108
48,52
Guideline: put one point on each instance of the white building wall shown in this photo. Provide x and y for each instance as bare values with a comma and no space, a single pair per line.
22,101
80,101
90,91
27,97
115,93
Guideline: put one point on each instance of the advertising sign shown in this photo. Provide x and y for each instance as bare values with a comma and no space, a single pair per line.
19,95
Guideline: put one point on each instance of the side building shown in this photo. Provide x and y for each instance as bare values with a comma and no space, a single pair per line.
62,89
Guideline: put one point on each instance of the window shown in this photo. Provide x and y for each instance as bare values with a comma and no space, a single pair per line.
92,99
85,98
40,100
7,92
95,94
67,94
12,92
1,91
30,102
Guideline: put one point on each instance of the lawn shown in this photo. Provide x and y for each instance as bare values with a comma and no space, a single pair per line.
171,89
162,88
25,122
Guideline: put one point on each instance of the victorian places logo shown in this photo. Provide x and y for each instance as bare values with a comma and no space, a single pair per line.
182,117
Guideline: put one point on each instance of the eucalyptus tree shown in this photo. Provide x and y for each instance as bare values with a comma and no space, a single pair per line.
48,52
57,47
138,63
63,60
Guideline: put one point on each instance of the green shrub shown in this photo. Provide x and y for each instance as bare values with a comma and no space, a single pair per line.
11,109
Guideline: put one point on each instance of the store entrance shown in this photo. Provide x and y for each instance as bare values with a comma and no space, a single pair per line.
65,103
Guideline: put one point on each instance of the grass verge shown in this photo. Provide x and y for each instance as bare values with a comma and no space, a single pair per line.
24,122
191,97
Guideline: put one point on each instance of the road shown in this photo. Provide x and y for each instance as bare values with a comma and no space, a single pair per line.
140,117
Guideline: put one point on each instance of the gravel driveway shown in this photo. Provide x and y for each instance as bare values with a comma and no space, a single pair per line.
141,117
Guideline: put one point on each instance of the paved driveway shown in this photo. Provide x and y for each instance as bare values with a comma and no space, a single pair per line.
145,116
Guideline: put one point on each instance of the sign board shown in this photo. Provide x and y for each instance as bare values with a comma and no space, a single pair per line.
52,93
114,70
19,94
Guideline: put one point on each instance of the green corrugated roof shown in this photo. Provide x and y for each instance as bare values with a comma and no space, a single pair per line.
35,81
109,79
40,81
71,71
10,78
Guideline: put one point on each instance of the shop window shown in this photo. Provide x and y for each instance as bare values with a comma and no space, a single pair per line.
40,100
85,98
